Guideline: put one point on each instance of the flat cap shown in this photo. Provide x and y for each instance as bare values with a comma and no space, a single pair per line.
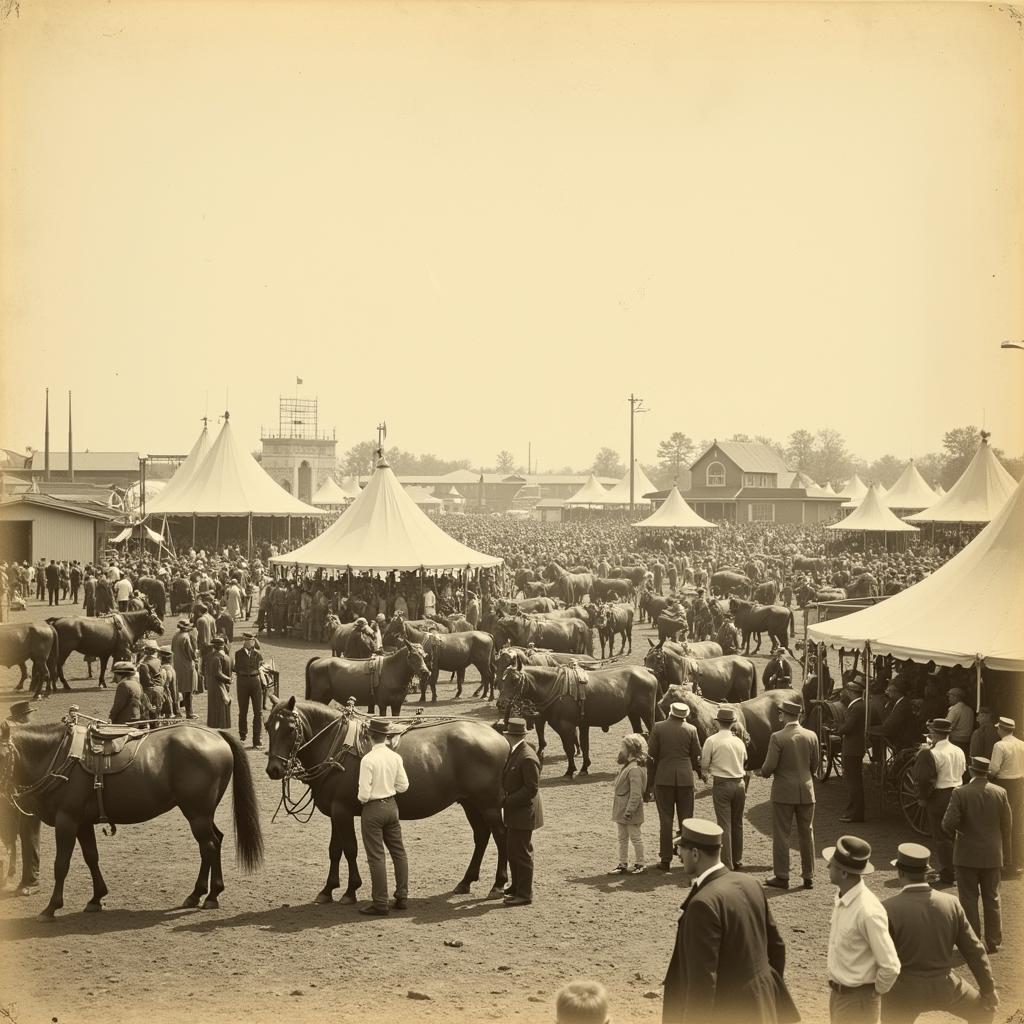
791,707
123,668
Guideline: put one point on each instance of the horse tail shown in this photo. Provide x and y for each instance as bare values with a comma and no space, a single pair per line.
248,835
792,627
753,679
309,684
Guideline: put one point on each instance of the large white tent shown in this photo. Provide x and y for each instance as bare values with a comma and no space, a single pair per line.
383,529
591,493
854,502
183,475
910,492
968,611
872,516
619,494
230,482
674,514
981,492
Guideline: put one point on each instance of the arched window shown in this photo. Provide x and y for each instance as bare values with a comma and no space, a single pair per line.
305,489
287,485
716,475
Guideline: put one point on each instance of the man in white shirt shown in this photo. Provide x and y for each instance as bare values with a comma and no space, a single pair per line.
381,777
862,960
723,756
429,603
123,593
1007,770
935,790
961,717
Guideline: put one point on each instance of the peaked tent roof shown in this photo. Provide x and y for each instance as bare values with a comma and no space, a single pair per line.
873,516
939,490
675,514
619,494
983,489
423,497
854,489
329,493
182,475
854,502
383,529
591,493
910,491
969,609
829,490
230,482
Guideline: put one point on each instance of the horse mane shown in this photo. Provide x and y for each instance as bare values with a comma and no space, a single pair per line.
318,715
36,742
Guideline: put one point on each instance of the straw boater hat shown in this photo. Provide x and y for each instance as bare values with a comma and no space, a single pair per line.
942,726
679,710
851,854
911,855
980,765
1006,723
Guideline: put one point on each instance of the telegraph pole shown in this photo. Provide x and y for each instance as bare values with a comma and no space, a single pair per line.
635,406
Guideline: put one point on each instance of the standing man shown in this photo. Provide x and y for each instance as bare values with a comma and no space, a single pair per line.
249,687
938,772
27,824
523,812
130,701
89,592
778,675
217,672
75,579
792,756
985,735
729,957
123,593
185,662
381,778
724,757
852,733
926,926
53,582
979,816
206,627
674,755
961,719
862,960
900,728
1007,770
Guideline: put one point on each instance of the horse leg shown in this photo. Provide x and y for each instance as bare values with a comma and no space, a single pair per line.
216,873
424,680
541,741
567,734
433,684
202,832
104,658
585,747
65,832
91,855
496,827
24,674
460,678
351,850
336,849
481,837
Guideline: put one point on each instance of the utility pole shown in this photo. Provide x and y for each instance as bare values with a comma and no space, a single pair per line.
635,406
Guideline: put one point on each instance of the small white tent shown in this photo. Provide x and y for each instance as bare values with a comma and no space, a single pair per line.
910,492
872,516
674,514
591,493
329,493
619,494
853,490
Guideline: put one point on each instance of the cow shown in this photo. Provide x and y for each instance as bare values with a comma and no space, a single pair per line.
757,618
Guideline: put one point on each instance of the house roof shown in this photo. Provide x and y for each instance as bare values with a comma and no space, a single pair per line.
469,476
48,501
95,462
749,456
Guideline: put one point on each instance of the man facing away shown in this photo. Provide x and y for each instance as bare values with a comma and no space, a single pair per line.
724,757
381,778
674,753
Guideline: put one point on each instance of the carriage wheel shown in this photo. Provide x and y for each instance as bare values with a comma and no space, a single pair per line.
914,814
816,722
824,767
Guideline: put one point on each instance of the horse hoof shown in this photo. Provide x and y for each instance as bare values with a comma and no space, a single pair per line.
45,917
211,903
322,898
190,902
348,898
497,892
462,889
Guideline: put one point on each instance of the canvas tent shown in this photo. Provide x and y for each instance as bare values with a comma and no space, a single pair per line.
383,530
619,494
423,498
329,493
910,492
674,514
978,496
178,484
592,493
853,490
854,502
969,612
872,516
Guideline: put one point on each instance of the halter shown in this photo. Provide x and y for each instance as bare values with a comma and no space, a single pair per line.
9,760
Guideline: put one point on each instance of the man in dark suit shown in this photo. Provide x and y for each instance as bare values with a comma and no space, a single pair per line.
926,926
729,957
792,756
900,727
778,675
522,811
979,817
852,733
53,582
674,753
129,698
25,825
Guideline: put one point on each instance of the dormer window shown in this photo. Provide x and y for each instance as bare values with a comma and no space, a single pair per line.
716,474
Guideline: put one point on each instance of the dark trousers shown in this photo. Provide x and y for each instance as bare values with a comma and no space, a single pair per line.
28,833
52,594
853,775
984,882
250,692
122,606
40,588
782,828
1014,856
673,802
729,797
942,846
859,1006
382,831
519,842
913,995
74,593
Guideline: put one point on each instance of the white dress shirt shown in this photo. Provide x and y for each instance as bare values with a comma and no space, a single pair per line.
950,765
381,774
1008,758
723,754
860,948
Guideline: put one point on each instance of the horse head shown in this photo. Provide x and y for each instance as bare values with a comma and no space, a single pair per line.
152,623
287,731
512,685
655,659
416,659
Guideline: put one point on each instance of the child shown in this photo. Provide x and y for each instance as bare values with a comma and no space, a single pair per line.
628,802
582,1002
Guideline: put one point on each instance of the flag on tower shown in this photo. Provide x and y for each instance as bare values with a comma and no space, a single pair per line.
298,380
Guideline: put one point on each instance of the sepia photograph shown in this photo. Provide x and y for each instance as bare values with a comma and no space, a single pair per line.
511,510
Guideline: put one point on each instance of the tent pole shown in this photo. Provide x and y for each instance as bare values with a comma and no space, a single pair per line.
193,529
867,695
249,555
977,684
289,529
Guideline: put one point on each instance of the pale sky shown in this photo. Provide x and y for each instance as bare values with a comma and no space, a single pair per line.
488,223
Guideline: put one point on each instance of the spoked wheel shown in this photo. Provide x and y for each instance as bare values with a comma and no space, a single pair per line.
914,814
816,722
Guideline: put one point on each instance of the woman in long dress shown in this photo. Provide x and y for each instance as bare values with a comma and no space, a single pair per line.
217,672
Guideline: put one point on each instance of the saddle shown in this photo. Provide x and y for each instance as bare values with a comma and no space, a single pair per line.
105,750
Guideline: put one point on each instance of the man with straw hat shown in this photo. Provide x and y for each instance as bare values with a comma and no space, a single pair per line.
938,771
674,755
862,960
926,927
724,757
1007,770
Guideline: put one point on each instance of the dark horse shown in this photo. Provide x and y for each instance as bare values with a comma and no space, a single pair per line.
446,762
729,677
608,696
572,586
186,766
350,640
22,642
381,681
452,652
100,638
761,618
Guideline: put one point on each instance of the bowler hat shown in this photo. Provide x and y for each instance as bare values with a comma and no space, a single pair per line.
698,832
1007,723
980,765
911,855
726,715
516,727
123,668
851,854
679,710
791,707
20,708
379,727
940,725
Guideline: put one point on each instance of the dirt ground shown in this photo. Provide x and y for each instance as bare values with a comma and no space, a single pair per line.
269,953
